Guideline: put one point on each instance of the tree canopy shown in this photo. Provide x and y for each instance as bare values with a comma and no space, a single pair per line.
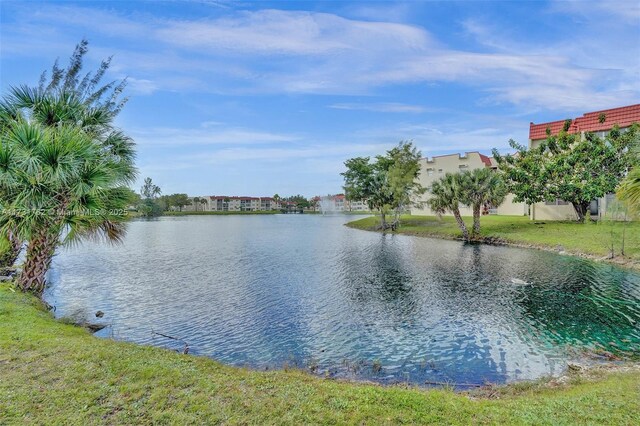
389,183
177,200
150,205
569,167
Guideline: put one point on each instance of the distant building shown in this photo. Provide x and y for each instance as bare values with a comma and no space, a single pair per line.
358,206
268,204
339,203
227,203
598,122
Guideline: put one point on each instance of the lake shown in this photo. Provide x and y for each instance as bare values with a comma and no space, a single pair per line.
278,291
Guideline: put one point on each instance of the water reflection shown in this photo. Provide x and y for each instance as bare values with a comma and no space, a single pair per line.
304,290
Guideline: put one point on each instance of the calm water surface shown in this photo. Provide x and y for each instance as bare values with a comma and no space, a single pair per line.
303,290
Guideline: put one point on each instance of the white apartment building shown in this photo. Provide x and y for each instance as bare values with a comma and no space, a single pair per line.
225,203
339,203
432,169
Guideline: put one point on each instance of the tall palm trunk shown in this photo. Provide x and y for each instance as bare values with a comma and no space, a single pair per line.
476,220
461,224
39,254
8,258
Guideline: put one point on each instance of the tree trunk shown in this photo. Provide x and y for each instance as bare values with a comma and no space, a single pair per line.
476,220
581,210
8,258
39,254
461,224
383,220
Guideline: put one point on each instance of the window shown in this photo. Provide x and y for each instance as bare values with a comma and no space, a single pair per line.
556,202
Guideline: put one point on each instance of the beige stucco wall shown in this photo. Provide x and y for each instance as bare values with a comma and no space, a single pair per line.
510,208
541,211
437,167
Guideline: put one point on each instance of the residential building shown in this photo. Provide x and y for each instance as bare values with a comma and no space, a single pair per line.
432,169
598,122
268,203
358,206
338,203
225,203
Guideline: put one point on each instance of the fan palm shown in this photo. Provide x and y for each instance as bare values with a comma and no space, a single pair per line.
65,101
58,185
481,187
446,197
629,189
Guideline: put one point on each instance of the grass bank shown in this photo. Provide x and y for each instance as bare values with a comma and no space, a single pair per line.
589,239
55,373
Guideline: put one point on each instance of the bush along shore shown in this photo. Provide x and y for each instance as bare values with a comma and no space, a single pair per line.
56,373
614,242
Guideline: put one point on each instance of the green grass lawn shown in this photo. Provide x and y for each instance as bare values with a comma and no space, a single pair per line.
55,373
590,238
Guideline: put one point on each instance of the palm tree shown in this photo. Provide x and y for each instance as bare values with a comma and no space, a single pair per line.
481,187
629,189
10,248
196,203
58,186
63,109
447,196
203,201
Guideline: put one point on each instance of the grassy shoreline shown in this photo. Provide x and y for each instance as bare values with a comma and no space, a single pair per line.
589,240
56,373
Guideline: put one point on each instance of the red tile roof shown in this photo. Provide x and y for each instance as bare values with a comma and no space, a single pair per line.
486,160
234,197
590,122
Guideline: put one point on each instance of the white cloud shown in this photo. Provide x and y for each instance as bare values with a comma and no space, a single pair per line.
300,52
278,32
141,86
626,10
381,107
171,136
336,153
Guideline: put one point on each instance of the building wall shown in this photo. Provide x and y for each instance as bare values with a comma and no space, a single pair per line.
510,208
433,169
236,204
546,211
357,206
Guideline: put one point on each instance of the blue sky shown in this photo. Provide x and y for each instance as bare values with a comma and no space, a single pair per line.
257,98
